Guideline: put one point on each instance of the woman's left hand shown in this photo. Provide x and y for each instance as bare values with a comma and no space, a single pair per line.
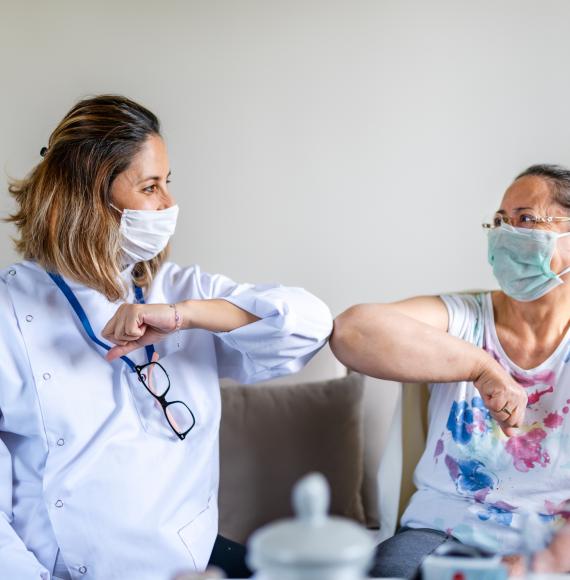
136,325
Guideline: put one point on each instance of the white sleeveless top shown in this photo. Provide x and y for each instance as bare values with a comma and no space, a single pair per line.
474,482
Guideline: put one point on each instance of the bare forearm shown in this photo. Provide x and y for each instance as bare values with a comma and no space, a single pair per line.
213,315
379,341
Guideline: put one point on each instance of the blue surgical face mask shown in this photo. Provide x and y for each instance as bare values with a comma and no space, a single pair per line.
521,261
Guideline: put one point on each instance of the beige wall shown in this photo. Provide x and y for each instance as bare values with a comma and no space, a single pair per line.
349,147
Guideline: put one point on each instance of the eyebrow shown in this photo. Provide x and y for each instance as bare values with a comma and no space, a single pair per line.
154,178
502,211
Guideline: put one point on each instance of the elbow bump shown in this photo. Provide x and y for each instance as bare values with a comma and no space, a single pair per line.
314,320
324,321
346,333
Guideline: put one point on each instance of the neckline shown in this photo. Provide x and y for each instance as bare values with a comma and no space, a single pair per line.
124,276
490,315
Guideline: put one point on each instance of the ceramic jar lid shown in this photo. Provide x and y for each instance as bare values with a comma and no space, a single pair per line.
312,538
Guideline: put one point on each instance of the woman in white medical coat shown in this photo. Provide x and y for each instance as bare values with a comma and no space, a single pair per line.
111,359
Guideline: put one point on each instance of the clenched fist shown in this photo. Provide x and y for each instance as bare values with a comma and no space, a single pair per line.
136,325
502,395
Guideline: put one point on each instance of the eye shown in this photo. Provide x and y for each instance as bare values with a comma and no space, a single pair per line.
150,189
501,219
526,220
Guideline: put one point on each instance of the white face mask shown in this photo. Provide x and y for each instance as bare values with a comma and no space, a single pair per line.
145,233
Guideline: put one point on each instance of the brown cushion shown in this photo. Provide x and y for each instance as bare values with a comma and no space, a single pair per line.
273,435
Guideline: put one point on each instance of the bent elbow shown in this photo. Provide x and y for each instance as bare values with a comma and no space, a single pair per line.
346,336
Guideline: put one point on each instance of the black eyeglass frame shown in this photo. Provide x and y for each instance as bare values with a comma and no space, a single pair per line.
162,398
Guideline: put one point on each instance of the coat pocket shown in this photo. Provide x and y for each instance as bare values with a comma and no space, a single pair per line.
149,410
199,535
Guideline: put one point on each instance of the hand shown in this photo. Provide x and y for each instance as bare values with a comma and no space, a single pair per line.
500,392
516,565
555,559
136,325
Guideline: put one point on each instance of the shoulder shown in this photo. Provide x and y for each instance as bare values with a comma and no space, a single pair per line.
466,312
9,328
20,279
10,281
27,269
6,306
464,301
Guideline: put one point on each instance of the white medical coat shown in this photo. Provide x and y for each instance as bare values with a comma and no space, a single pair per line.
88,463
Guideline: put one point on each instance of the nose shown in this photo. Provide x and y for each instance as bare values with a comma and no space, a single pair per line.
167,200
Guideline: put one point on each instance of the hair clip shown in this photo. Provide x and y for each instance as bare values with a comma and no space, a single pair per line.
43,151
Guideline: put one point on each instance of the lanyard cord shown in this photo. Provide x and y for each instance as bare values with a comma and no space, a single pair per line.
139,297
75,304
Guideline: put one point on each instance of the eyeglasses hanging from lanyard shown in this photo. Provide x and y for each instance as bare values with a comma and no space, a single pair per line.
152,374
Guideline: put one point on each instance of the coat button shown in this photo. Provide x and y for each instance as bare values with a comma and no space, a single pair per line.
61,442
58,503
82,569
46,376
12,272
29,318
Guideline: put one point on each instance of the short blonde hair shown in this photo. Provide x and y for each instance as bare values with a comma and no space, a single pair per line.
64,219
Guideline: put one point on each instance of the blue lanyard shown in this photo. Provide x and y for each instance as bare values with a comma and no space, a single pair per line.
72,299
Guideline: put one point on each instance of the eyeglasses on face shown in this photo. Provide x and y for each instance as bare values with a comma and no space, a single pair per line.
523,220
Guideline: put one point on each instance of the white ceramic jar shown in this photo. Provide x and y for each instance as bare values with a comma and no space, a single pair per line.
312,546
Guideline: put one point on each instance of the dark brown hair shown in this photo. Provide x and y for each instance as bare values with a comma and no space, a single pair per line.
557,176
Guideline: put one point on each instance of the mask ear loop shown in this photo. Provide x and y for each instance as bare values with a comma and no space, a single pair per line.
567,270
564,272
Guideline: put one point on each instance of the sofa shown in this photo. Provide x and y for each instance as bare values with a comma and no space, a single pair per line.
349,427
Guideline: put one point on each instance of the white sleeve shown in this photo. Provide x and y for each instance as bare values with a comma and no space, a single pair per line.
293,326
465,316
16,561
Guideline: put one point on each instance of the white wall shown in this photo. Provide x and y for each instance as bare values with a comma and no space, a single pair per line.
349,147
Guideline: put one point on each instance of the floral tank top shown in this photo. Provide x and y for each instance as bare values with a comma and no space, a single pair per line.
474,482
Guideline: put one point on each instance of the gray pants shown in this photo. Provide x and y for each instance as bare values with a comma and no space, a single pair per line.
402,555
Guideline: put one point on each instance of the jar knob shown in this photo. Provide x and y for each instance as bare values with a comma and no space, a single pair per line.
311,499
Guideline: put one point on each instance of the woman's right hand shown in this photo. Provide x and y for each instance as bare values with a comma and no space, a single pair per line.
555,559
501,393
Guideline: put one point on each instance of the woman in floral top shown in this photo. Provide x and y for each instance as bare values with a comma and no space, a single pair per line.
498,364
